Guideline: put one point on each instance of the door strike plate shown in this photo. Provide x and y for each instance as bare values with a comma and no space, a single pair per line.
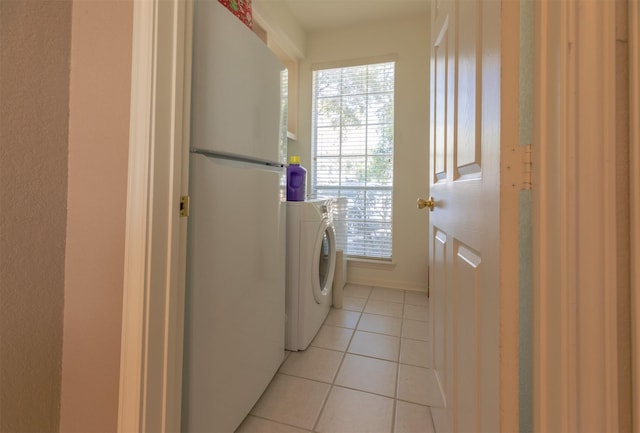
184,206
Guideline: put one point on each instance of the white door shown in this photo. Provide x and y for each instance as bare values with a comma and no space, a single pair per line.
466,222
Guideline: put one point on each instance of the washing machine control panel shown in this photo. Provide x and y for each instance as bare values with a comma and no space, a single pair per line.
327,208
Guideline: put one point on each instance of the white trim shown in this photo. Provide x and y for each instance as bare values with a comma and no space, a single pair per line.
547,165
511,155
135,270
360,280
634,180
576,373
151,356
362,61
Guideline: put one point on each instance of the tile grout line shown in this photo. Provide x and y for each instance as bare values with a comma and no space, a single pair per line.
335,376
345,351
397,387
276,422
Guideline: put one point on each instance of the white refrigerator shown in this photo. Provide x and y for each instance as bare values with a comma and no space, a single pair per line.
235,305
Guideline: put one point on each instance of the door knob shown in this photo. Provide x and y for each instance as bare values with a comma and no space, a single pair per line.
422,203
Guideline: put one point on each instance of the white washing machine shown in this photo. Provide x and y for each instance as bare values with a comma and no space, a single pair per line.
311,261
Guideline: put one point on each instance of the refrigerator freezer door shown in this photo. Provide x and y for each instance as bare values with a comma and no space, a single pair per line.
235,102
234,321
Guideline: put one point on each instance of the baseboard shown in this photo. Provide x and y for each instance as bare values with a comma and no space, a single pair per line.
400,285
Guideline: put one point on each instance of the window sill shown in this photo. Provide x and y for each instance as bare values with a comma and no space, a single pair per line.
371,263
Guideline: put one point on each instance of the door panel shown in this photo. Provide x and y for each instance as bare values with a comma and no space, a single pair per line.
438,304
465,224
468,101
466,272
439,113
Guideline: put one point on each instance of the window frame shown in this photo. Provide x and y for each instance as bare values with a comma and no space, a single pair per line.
366,252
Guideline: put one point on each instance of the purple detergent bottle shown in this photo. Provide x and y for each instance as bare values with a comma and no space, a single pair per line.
296,180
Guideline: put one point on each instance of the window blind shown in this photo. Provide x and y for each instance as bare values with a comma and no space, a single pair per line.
284,113
352,138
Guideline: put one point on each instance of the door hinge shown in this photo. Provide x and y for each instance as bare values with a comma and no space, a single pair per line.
517,168
184,206
527,167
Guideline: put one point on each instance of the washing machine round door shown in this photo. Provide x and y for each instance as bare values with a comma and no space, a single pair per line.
324,262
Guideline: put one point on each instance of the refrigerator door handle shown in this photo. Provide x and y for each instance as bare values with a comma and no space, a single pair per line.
237,158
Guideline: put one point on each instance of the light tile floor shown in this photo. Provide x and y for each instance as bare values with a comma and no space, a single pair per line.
367,370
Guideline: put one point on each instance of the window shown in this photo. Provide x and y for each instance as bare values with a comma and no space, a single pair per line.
284,113
353,151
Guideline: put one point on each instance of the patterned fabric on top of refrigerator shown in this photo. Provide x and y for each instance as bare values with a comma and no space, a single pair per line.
241,9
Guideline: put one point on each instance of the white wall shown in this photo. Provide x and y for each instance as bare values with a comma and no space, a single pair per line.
64,128
280,24
100,93
408,40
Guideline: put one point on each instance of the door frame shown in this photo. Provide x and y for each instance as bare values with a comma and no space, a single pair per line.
634,206
576,378
155,246
155,235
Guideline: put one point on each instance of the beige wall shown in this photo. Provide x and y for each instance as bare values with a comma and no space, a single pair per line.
35,39
281,26
408,39
63,168
98,152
